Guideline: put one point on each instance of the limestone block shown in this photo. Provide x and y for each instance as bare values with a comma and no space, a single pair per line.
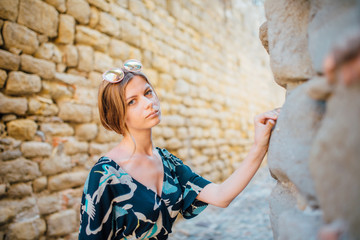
57,91
292,139
23,129
79,9
87,96
17,105
102,62
9,61
138,8
49,204
182,87
108,24
121,12
20,83
130,33
75,112
86,58
57,129
94,17
39,16
71,79
20,37
102,4
168,132
6,213
297,225
72,147
161,64
3,76
19,170
39,184
41,67
61,223
98,148
35,149
174,143
119,49
19,190
334,158
55,164
42,106
287,37
29,229
66,29
86,131
104,136
71,55
10,154
58,4
46,51
67,180
9,9
333,20
88,36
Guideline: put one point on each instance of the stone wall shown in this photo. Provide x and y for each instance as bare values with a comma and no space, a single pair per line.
204,59
314,149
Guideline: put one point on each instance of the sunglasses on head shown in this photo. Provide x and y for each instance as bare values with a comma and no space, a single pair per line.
115,75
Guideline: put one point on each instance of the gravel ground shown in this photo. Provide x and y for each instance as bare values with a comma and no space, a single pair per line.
247,217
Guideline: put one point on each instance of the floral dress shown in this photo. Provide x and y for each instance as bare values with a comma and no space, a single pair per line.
116,206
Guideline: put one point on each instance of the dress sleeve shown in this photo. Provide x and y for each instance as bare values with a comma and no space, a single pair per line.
191,185
96,210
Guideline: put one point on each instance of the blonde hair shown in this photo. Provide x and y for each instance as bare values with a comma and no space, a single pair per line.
112,104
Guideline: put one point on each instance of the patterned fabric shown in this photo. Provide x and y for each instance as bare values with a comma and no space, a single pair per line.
116,206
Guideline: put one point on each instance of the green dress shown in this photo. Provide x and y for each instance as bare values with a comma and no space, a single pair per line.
116,206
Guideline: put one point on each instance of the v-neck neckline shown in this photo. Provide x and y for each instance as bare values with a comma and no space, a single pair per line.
141,184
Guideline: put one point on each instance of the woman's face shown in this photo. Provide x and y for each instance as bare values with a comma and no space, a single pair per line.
143,106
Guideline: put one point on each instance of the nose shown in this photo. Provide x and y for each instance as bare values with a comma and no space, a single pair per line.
148,103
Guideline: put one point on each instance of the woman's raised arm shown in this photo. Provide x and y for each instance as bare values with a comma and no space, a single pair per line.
222,194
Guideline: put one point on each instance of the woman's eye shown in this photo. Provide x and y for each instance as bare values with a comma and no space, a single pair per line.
131,102
149,92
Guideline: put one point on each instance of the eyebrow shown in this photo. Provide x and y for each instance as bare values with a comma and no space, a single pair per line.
148,86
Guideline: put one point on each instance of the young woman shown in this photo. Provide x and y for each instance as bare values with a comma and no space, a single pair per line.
136,190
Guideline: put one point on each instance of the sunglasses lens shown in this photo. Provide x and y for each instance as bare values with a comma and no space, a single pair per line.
132,65
113,75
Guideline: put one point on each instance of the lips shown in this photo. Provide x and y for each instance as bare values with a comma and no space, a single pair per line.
152,114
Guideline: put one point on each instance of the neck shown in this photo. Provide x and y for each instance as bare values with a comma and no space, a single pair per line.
143,140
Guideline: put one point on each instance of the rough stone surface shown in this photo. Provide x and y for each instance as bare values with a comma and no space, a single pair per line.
66,29
9,61
287,28
34,149
87,131
23,129
49,204
20,37
75,112
39,16
20,83
342,163
79,9
41,67
57,129
61,223
31,229
88,36
19,170
9,9
55,164
67,180
17,105
292,140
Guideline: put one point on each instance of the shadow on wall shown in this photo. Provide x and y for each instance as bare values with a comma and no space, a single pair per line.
314,150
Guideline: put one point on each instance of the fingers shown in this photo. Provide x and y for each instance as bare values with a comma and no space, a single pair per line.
264,117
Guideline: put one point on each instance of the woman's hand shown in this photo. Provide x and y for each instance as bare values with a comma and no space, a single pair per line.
263,124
